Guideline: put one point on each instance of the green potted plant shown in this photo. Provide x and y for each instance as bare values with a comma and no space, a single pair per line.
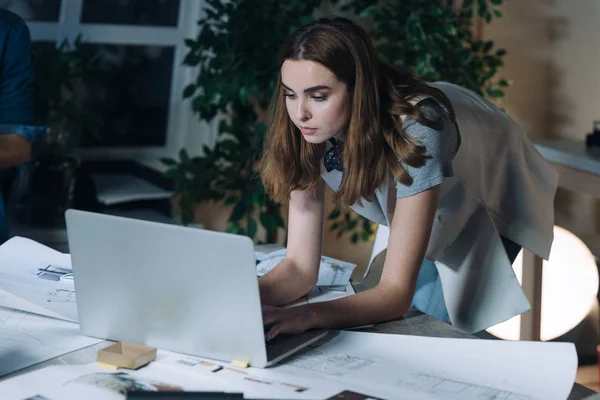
234,55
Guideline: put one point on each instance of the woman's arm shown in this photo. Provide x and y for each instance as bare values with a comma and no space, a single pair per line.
391,298
297,274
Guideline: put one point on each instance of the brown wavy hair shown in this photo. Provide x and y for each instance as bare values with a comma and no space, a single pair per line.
375,140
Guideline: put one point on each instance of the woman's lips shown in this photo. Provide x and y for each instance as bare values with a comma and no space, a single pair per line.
307,131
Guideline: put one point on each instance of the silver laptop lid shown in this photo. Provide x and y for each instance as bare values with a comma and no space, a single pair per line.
176,288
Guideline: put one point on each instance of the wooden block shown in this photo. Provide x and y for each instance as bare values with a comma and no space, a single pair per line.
126,355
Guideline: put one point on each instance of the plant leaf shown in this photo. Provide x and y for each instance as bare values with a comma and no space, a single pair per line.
183,156
251,227
231,200
238,212
168,161
335,213
189,90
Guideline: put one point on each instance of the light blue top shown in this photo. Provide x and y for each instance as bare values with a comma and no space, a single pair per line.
16,87
441,147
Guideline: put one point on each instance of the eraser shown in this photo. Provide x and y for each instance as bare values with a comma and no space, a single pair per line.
239,364
107,366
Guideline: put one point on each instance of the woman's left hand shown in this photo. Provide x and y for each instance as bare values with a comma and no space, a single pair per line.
291,320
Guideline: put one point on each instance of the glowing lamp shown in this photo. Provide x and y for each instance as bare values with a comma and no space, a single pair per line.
569,288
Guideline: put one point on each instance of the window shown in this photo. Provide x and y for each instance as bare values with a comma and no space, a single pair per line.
132,12
131,91
140,48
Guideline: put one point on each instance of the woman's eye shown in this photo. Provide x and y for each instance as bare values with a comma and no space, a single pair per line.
290,95
319,98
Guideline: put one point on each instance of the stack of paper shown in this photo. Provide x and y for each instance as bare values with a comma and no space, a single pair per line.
333,273
114,189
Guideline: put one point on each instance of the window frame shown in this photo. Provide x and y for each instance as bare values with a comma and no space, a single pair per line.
183,126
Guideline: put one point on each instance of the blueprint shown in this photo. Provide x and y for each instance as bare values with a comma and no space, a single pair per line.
414,367
332,272
36,279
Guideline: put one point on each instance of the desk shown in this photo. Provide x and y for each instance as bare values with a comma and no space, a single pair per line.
413,323
579,170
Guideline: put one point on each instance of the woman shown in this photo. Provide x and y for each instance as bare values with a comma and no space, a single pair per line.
455,179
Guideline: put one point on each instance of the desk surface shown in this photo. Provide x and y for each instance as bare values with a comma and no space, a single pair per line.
571,153
413,323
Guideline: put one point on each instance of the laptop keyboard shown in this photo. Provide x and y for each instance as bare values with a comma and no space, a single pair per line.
286,344
274,341
270,343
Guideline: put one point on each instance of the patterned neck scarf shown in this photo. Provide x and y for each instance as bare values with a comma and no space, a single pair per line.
334,157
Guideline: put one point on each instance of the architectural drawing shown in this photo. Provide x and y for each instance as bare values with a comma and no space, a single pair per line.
321,362
454,389
332,272
60,295
29,272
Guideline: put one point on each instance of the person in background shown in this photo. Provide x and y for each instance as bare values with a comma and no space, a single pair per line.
455,179
17,132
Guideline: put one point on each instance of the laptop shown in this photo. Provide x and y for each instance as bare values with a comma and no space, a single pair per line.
187,290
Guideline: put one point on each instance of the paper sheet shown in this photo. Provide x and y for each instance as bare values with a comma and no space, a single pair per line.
253,382
92,382
27,339
263,250
113,189
27,250
332,272
30,279
319,294
409,367
431,368
377,365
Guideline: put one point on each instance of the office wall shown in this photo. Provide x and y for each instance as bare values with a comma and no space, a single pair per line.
553,59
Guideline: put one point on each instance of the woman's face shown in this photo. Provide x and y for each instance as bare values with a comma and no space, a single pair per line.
317,102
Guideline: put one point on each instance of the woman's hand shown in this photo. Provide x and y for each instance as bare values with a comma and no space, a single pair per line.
291,320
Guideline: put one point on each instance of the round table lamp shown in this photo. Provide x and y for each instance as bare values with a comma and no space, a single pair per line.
569,288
